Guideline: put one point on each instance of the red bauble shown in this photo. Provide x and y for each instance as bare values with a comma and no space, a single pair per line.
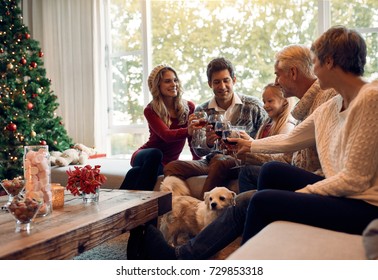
23,61
1,50
11,126
27,36
34,95
33,64
40,54
42,142
29,106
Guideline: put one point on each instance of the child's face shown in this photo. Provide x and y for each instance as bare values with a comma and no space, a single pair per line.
273,104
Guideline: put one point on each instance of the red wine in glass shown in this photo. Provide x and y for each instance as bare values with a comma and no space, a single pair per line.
219,133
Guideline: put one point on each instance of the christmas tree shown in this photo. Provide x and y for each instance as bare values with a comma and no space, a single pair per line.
27,104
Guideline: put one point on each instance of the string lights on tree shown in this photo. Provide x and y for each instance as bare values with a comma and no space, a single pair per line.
27,105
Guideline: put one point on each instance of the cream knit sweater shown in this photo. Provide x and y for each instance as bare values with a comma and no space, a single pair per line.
347,145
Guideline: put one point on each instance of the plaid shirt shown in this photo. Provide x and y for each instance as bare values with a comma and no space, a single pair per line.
250,114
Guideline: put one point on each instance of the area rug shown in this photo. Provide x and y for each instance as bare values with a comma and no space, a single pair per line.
115,249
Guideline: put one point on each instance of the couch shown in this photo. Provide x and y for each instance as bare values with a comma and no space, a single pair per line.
115,170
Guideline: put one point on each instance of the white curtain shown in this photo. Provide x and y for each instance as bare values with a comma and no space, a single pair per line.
71,35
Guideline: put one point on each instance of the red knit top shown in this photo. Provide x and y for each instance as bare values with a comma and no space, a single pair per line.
170,140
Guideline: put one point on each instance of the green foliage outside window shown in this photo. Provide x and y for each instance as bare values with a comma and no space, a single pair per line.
188,34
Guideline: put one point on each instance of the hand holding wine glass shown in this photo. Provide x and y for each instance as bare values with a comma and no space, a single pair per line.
219,127
211,138
200,119
234,133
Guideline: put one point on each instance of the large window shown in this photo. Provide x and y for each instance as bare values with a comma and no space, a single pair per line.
188,34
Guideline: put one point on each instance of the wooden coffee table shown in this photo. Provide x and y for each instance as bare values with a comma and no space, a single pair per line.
77,227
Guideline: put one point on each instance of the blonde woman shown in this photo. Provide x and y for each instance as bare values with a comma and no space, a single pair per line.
167,116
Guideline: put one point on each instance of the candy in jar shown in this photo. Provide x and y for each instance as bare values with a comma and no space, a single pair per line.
37,173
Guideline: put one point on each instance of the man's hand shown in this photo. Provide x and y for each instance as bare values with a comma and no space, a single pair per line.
211,137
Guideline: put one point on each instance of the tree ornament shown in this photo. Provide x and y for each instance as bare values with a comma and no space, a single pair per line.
43,142
1,50
29,106
11,126
40,54
27,36
9,66
33,134
23,61
39,90
33,64
34,95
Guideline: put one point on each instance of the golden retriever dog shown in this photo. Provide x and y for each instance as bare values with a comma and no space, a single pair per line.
190,215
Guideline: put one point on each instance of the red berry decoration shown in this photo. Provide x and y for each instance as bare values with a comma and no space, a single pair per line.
23,61
29,106
11,127
40,54
33,64
42,142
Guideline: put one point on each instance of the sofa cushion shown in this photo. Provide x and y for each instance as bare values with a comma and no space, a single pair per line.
292,241
115,170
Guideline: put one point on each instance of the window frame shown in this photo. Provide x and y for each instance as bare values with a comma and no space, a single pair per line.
324,22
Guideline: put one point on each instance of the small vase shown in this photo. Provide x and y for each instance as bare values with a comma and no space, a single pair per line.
91,197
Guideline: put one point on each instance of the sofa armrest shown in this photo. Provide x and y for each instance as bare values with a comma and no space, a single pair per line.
292,241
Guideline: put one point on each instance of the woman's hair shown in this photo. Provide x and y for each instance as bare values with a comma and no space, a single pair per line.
345,46
219,64
157,103
298,56
282,119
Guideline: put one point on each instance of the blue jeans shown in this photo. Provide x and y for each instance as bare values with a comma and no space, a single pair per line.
277,200
248,177
146,168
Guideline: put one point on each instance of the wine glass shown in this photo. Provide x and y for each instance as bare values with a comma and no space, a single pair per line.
212,119
233,132
219,127
201,119
24,209
13,188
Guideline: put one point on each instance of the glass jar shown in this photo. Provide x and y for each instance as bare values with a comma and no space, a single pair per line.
37,173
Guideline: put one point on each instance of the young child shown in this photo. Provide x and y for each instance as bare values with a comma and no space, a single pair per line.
280,121
278,108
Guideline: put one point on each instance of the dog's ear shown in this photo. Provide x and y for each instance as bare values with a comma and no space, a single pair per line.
233,198
206,197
